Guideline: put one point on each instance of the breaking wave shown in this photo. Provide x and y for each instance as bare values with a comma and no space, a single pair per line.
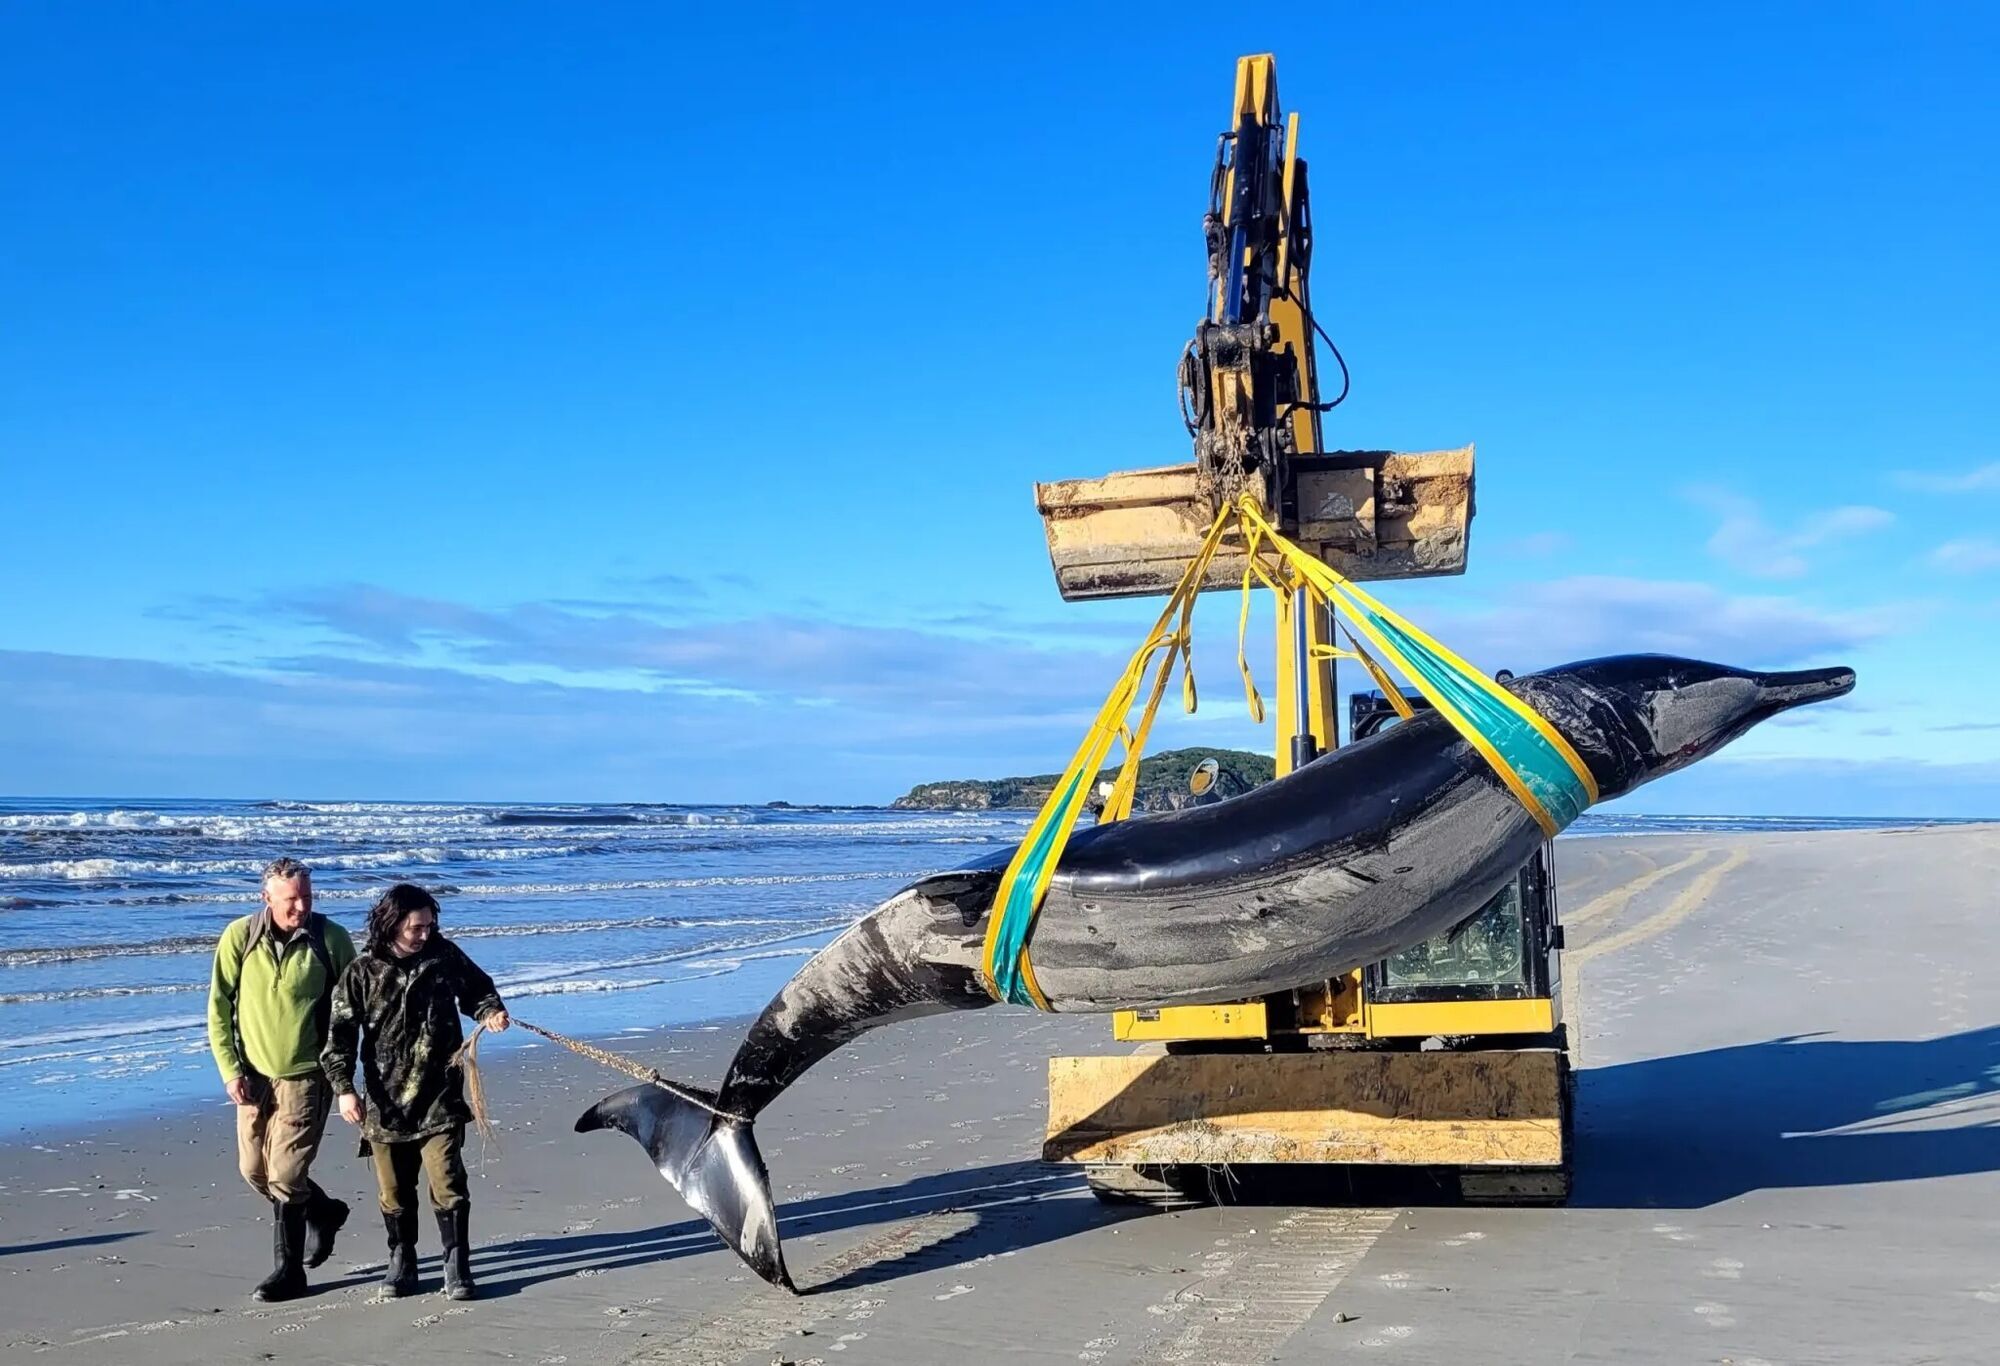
27,998
110,910
704,960
107,1031
37,956
530,989
493,891
111,869
85,820
44,955
700,955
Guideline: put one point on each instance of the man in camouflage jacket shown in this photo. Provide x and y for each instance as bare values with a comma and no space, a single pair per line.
397,1011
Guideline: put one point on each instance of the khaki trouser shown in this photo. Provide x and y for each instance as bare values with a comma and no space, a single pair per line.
440,1156
278,1135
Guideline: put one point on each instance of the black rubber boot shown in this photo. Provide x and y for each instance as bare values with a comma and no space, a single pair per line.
324,1216
400,1278
457,1252
287,1280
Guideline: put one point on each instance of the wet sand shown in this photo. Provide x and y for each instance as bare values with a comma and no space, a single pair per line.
1790,1050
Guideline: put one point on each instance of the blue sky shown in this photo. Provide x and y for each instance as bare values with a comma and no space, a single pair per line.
611,402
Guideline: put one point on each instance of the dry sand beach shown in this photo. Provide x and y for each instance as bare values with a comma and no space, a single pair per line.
1790,1049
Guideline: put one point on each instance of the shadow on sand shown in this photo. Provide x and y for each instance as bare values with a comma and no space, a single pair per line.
58,1244
1013,1205
1691,1130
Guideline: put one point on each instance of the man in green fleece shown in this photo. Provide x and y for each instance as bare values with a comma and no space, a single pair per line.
269,997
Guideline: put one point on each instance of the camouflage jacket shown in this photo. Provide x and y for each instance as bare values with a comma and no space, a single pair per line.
400,1017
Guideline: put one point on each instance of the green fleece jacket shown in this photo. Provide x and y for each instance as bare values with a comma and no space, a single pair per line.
263,1005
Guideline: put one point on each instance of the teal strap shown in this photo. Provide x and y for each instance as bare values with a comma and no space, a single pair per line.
1017,916
1525,750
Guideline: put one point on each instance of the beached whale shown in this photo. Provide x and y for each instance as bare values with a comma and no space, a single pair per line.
1356,856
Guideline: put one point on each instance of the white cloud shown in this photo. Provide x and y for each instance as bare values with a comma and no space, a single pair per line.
1967,555
350,728
337,729
385,693
785,657
1589,615
1985,477
1537,545
1745,540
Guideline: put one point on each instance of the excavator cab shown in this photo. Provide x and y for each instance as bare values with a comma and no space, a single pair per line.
1507,951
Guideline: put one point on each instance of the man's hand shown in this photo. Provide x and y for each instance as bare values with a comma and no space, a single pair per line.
497,1021
350,1108
238,1091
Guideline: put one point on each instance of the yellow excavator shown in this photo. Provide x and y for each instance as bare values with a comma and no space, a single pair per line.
1451,1056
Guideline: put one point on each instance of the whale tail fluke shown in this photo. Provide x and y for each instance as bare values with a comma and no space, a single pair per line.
711,1159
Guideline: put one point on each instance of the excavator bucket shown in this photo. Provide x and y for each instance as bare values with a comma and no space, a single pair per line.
1369,514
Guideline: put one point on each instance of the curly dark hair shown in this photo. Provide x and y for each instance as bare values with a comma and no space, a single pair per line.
387,913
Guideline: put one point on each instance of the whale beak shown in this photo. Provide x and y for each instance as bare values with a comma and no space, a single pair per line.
1802,687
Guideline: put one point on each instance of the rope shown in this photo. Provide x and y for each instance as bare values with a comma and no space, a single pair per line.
467,1059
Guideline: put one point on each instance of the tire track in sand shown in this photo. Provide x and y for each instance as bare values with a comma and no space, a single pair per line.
1691,899
767,1316
1614,900
1253,1296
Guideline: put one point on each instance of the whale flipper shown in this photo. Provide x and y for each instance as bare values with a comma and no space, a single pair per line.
710,1159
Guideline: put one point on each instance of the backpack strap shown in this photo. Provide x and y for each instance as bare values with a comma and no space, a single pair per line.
258,929
323,1007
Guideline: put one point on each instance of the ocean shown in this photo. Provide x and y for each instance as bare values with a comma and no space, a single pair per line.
593,919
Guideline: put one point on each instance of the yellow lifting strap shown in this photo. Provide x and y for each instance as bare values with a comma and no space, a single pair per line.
1528,754
1534,761
1009,975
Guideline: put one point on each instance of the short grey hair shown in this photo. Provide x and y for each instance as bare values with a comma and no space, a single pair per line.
287,869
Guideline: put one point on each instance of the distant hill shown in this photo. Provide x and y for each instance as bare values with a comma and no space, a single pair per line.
1163,783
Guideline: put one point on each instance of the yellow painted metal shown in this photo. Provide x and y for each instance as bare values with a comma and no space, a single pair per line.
1333,1007
1340,1003
1421,1020
1294,333
1256,87
1238,1020
1132,534
1341,1007
1290,320
1289,190
1393,515
1256,100
1445,1109
1319,692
